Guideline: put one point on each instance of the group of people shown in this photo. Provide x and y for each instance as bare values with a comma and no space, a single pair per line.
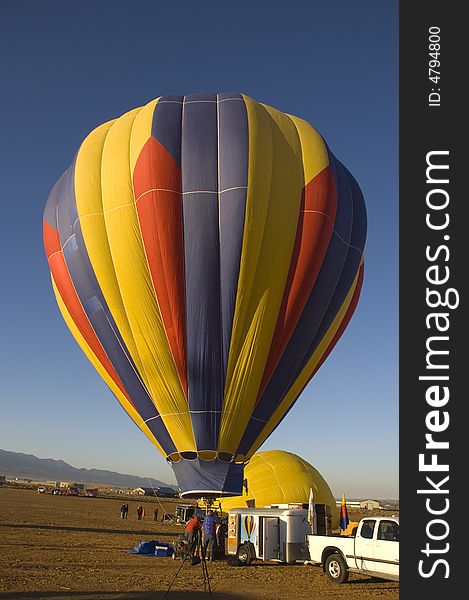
211,530
207,535
124,510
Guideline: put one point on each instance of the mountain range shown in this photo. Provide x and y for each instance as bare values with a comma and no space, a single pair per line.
28,466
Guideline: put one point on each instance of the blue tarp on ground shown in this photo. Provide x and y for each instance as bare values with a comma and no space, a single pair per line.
153,548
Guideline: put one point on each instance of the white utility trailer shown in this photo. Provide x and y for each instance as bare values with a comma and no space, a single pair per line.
275,534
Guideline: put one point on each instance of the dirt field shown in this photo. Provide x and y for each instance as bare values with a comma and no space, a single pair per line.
76,547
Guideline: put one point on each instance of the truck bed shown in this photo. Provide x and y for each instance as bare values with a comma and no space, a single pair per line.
317,544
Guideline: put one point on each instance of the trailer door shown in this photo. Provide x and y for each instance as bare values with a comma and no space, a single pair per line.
233,533
271,538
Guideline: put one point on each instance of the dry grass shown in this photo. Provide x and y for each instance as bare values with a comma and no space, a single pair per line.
77,548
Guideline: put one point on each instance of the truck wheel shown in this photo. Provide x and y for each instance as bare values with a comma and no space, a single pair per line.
336,568
244,555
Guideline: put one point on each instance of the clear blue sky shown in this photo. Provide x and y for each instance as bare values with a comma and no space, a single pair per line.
66,67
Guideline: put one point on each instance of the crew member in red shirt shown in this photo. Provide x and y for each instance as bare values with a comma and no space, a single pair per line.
191,531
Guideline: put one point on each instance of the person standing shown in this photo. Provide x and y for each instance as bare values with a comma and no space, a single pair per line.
217,545
126,511
155,514
140,513
123,511
191,532
220,535
209,534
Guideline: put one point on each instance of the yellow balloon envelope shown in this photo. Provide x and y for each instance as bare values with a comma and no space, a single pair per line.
280,477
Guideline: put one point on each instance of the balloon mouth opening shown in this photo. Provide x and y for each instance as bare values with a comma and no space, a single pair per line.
213,478
203,495
206,455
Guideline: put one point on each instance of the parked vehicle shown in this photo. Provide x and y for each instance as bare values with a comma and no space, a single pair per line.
274,534
70,491
41,489
372,550
91,492
185,512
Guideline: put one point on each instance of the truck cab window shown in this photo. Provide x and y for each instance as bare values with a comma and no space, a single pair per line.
367,529
388,531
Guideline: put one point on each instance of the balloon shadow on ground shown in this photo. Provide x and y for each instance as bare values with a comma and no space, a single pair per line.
383,583
149,595
139,532
265,565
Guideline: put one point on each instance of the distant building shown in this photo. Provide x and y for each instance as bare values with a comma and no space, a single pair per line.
350,503
162,492
143,491
370,505
166,492
363,504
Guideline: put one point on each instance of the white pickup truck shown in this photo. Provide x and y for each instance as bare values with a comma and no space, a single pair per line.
372,550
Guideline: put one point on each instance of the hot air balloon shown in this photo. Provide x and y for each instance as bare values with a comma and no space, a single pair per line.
206,254
280,477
